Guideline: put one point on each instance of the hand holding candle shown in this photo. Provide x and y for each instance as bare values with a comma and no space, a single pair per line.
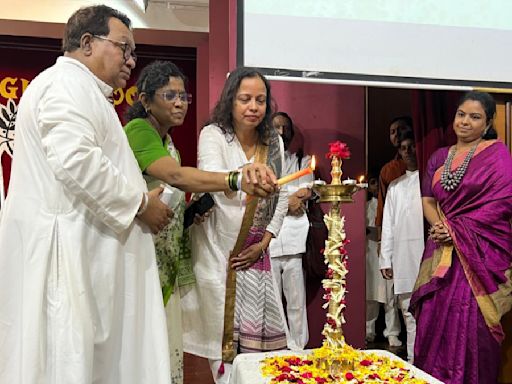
296,175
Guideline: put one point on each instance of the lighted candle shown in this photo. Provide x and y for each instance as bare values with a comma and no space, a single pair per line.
296,175
360,183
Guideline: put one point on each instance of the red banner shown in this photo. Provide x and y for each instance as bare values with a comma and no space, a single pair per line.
31,56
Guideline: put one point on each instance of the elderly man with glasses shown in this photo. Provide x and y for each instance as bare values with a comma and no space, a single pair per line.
79,296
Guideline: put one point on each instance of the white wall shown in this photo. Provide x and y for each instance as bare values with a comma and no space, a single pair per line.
433,42
159,15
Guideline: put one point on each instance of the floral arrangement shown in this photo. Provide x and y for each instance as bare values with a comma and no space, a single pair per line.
338,149
343,365
336,361
335,283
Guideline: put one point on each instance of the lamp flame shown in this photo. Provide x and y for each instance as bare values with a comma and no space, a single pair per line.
313,163
361,178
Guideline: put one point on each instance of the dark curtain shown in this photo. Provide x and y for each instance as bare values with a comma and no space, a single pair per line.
432,114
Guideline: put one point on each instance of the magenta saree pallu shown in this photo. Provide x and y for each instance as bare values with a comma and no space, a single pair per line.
463,291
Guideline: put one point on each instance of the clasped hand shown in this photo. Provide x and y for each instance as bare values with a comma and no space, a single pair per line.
157,214
387,273
295,206
297,202
247,257
439,233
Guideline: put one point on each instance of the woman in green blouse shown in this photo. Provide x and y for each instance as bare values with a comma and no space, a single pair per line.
162,105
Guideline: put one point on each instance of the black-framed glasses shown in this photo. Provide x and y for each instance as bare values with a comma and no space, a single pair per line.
125,47
173,96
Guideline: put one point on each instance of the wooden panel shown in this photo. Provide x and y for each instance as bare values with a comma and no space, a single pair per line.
500,120
503,120
508,125
506,351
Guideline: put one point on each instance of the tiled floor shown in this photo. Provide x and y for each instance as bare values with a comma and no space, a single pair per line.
197,370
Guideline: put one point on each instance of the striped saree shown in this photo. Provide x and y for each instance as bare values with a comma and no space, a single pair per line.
253,320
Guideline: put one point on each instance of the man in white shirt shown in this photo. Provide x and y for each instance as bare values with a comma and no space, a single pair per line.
287,249
402,240
378,290
79,295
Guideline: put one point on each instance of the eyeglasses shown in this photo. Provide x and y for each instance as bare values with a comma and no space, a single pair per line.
125,47
173,96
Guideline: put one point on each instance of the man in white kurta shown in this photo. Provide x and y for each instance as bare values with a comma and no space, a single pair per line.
287,249
402,241
378,289
80,300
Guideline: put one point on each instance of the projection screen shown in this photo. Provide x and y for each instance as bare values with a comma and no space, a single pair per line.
453,43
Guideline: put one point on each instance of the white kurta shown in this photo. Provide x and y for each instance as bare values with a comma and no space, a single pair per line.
286,258
377,288
292,238
80,300
212,242
402,240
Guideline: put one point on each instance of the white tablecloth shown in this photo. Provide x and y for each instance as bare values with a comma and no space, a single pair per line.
246,367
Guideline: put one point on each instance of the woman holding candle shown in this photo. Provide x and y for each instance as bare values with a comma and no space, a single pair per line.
465,279
161,108
234,306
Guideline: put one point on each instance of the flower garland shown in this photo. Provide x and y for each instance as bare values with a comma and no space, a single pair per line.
325,365
335,284
336,257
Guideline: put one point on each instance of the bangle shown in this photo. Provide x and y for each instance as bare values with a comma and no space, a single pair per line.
262,250
144,205
226,179
239,181
233,180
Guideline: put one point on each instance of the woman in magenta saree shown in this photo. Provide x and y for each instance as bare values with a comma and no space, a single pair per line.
465,281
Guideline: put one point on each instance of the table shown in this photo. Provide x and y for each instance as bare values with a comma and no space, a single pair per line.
246,366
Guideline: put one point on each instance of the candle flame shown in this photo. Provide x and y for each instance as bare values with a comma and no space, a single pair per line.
313,163
361,178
